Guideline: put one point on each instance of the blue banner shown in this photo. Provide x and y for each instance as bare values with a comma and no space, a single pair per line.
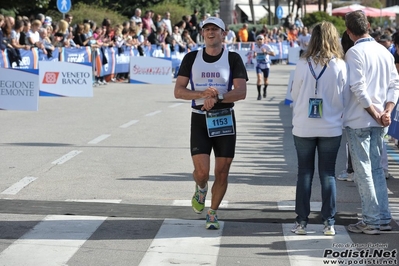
109,64
122,59
29,59
148,50
76,55
134,52
53,56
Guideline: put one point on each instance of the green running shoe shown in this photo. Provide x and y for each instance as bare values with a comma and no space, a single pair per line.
212,220
198,201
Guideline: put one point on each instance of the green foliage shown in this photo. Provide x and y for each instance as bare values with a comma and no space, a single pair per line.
206,6
8,12
116,10
41,3
203,6
82,11
379,22
263,21
124,7
311,19
176,11
372,3
19,6
127,7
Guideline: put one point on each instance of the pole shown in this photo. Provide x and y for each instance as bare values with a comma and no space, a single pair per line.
251,6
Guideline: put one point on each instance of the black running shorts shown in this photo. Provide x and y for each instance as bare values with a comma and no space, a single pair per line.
201,143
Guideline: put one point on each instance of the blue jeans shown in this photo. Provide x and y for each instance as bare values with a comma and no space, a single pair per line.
365,146
327,150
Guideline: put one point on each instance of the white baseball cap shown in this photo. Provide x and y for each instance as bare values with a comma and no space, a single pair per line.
215,21
48,20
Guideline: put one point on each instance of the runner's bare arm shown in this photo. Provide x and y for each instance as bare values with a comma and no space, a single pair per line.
238,93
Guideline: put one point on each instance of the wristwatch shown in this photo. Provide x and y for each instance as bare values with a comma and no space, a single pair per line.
220,98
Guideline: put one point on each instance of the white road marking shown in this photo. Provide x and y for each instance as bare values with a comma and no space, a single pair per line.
392,153
95,200
289,205
223,204
153,113
128,124
394,207
14,189
53,241
66,157
308,250
99,139
184,242
175,105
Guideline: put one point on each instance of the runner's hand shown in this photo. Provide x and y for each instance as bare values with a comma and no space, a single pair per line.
210,92
209,103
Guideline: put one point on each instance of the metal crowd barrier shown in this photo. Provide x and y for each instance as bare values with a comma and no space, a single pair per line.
113,60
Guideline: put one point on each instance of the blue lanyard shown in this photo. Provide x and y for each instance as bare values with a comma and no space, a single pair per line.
364,40
314,74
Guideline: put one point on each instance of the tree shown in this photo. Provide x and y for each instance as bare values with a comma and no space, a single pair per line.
269,19
251,6
122,7
298,4
276,4
125,7
312,18
372,3
24,5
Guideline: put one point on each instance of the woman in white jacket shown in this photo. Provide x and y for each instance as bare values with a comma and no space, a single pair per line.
318,94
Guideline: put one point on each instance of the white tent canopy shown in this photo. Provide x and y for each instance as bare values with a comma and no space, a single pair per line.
260,11
392,9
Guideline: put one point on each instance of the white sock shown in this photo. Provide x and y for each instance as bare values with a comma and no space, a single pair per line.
203,189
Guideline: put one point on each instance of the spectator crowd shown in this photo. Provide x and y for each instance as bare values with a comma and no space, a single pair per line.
146,29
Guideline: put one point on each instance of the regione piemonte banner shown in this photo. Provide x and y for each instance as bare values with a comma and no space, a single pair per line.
66,79
19,89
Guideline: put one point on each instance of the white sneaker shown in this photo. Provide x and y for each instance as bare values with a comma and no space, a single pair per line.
344,176
104,82
385,227
113,79
299,229
329,230
361,227
100,82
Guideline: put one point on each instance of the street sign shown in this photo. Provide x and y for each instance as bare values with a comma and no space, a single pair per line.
279,12
64,6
